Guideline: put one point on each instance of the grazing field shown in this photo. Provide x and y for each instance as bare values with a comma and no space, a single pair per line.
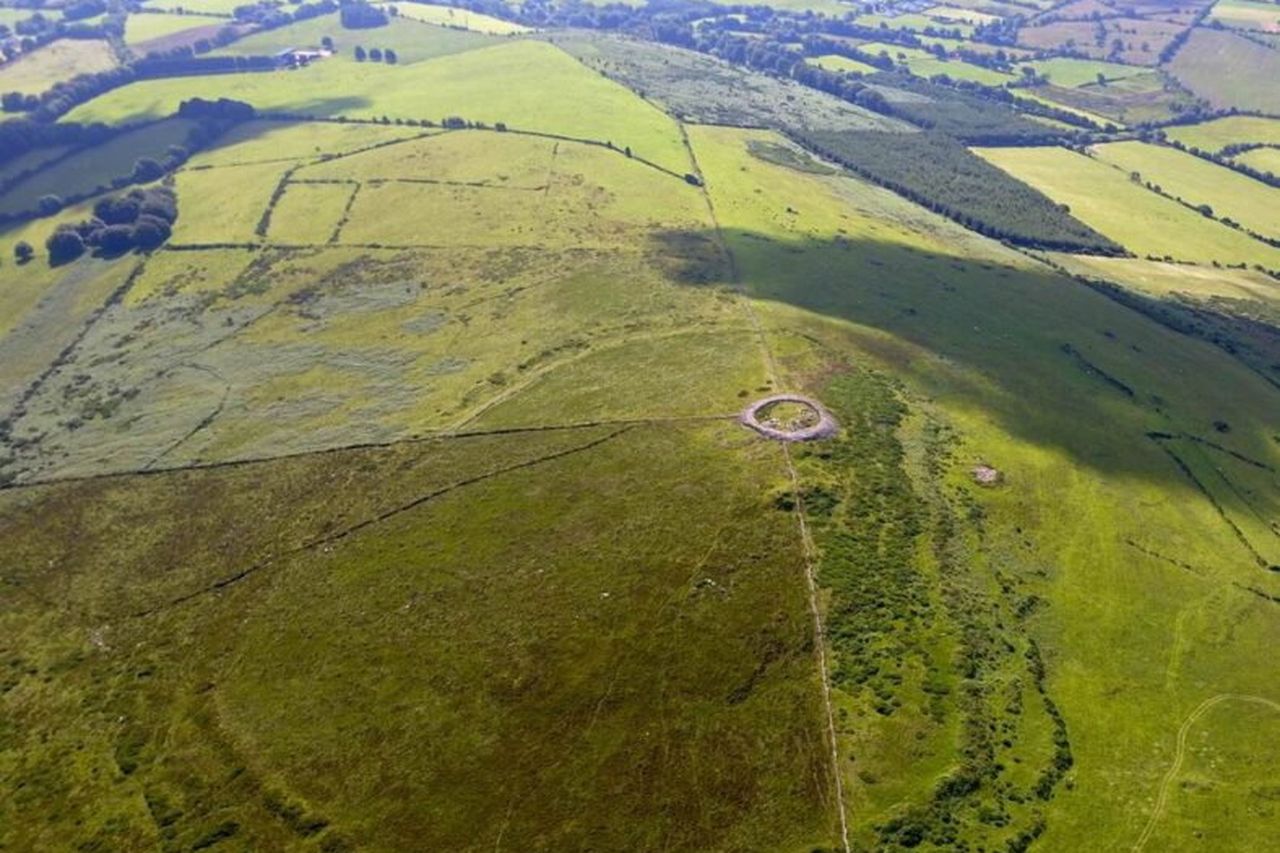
835,62
142,28
364,586
259,141
309,213
1213,136
206,7
1064,71
1143,97
93,169
1104,198
1262,159
449,16
1181,175
529,85
922,63
34,72
974,336
30,161
412,41
1228,70
1247,15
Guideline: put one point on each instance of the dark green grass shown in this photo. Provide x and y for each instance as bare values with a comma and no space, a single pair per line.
580,652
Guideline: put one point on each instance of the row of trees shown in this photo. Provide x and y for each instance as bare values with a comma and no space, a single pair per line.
376,55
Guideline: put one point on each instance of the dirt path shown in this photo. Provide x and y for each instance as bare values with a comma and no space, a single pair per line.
1166,783
806,539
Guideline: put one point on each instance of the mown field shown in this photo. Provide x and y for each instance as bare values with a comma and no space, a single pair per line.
1213,136
142,28
1228,70
1262,159
448,16
1181,175
1147,224
34,72
411,40
494,84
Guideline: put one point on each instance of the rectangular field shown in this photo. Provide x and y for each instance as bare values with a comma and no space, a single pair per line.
1251,203
309,213
1143,222
1213,136
34,72
1229,70
412,40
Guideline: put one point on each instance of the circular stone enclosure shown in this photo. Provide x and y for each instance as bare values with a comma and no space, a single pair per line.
789,417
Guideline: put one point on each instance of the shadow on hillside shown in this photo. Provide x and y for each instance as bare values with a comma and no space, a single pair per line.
1052,361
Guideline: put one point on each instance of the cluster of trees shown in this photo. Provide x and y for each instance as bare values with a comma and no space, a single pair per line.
376,54
141,219
939,173
362,16
61,97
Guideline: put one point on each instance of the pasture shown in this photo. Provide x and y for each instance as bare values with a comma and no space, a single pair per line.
1213,136
1181,175
1262,159
1228,70
34,72
1247,15
835,62
141,28
1069,72
494,84
1146,224
977,336
412,41
454,17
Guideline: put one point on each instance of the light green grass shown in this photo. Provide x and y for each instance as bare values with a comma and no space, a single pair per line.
451,16
1247,15
835,62
209,7
308,213
1215,135
93,169
1196,181
257,141
1143,222
412,41
142,28
34,72
949,13
1063,71
1262,159
209,213
529,85
914,22
922,63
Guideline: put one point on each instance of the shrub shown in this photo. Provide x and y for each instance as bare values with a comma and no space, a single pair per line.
64,245
23,252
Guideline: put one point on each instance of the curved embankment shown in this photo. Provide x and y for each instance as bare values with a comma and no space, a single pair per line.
1185,729
826,425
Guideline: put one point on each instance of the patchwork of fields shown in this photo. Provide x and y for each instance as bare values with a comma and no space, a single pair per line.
397,499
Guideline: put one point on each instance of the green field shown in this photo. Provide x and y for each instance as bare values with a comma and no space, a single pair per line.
1105,199
411,40
1247,15
34,72
1063,71
835,62
92,170
1262,159
449,16
1215,135
1228,70
491,85
207,7
1196,181
142,28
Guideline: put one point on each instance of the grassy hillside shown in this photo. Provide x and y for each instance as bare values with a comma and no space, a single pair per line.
529,85
411,40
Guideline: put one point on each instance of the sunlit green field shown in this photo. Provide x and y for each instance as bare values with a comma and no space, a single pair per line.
1105,198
